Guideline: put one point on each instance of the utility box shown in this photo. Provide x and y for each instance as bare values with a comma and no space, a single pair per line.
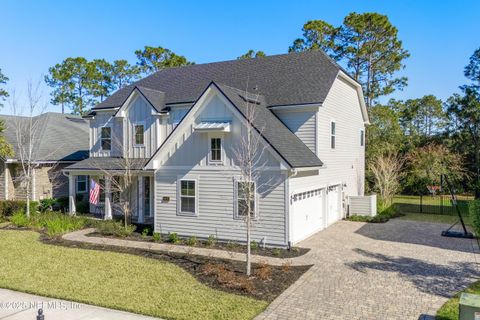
469,307
363,205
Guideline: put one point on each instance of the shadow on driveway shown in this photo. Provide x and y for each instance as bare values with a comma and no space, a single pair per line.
438,279
416,232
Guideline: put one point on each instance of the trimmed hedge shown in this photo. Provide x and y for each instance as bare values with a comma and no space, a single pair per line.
10,207
474,211
381,217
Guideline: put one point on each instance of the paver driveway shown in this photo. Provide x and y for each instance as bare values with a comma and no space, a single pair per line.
397,270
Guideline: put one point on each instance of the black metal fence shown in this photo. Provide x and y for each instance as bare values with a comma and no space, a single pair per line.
437,204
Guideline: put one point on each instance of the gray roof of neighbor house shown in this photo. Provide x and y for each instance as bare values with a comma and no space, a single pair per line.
58,137
109,163
286,79
284,141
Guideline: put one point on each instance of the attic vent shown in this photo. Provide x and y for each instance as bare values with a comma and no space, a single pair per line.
79,120
249,100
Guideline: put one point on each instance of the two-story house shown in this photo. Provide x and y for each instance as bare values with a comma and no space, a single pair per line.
182,127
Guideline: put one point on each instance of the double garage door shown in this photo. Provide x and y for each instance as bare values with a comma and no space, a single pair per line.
314,210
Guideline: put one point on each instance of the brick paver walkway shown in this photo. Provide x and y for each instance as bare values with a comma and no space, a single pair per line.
397,270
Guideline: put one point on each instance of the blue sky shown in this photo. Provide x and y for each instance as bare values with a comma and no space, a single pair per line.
34,35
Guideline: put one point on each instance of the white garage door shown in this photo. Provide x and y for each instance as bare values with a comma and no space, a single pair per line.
333,205
307,213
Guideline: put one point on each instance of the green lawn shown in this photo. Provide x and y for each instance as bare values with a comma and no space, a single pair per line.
449,311
429,217
114,280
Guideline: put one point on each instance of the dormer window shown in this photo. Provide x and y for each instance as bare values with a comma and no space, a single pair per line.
106,138
139,134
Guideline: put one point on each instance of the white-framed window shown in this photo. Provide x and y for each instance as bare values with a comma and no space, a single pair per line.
187,197
82,184
216,149
245,192
139,131
362,138
333,136
106,138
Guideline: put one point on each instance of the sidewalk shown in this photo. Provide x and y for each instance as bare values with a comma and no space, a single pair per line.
22,306
80,236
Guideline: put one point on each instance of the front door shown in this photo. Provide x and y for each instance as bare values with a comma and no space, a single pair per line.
147,197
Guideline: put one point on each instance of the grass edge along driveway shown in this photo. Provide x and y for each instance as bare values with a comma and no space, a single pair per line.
114,280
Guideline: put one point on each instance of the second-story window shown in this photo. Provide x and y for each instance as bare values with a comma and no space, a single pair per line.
332,134
106,138
139,134
216,149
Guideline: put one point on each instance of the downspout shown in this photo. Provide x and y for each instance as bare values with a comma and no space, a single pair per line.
294,172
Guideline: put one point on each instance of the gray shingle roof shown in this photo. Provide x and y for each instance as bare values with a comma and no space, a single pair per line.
108,163
284,141
59,137
294,78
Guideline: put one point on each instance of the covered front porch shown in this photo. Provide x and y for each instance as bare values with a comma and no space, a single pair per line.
109,193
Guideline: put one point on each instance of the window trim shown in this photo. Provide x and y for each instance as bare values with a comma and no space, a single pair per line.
222,155
179,197
86,184
101,138
362,137
135,124
333,135
236,216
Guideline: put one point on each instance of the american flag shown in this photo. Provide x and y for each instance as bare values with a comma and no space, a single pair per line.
94,192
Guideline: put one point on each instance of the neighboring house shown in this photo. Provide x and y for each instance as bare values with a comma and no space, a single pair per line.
60,140
182,125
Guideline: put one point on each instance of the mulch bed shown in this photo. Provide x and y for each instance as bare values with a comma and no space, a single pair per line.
266,283
231,247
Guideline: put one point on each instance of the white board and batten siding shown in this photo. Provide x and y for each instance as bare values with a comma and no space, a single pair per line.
139,112
187,157
106,119
302,123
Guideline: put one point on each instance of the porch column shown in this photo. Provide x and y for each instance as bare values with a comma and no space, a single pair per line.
71,194
108,198
141,201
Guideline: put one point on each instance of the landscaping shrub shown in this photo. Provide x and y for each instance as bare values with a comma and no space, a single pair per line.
228,278
286,266
145,232
61,203
10,207
54,223
157,237
254,245
192,241
211,240
474,212
173,237
384,214
46,204
264,271
19,219
114,228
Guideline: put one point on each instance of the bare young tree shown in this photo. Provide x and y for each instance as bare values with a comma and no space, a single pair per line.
387,170
27,127
249,156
